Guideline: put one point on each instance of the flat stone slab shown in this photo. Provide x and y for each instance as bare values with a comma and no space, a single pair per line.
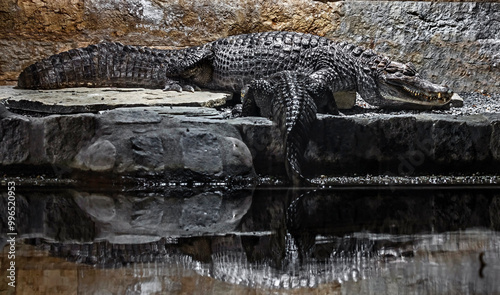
81,100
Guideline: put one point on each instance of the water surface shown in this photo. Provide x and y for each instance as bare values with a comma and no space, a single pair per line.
262,240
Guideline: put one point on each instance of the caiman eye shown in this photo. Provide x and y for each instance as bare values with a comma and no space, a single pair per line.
409,69
391,70
394,67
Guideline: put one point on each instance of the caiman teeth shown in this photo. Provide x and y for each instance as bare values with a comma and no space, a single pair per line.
415,93
424,96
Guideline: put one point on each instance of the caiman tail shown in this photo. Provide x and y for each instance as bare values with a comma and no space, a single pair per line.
295,112
101,65
106,65
292,108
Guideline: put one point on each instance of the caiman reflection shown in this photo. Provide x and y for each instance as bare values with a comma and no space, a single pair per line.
276,238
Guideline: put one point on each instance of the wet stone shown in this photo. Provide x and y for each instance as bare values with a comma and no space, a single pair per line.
15,139
147,151
201,152
99,157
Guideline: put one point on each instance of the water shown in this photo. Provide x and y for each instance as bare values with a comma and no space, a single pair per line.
264,240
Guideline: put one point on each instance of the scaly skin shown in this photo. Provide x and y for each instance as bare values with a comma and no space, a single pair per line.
293,109
286,76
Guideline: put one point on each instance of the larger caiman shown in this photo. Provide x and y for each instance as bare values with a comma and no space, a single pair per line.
286,76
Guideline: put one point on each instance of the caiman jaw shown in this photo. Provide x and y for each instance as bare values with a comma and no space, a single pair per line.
400,82
427,98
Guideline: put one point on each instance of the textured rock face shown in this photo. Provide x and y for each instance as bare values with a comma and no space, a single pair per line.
100,156
407,144
130,141
181,142
82,100
15,135
417,144
154,143
454,42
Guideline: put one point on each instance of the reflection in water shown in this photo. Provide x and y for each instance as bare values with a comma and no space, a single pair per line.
364,241
146,217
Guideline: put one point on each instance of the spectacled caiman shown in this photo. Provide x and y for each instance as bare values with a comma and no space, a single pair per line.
286,76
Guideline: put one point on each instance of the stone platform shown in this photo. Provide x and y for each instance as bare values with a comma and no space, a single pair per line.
81,100
179,141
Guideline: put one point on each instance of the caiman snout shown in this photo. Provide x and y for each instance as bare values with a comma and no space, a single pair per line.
401,82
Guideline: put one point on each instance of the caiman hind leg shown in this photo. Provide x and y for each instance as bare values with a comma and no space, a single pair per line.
194,69
179,86
285,99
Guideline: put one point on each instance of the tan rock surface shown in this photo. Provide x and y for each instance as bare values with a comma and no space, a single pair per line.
33,29
451,42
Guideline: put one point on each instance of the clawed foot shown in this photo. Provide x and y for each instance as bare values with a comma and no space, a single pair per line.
179,88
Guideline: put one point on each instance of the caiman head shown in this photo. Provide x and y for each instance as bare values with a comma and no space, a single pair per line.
400,82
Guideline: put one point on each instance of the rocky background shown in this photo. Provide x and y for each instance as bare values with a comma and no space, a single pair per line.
457,43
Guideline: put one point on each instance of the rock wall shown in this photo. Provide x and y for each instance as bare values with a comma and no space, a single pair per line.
172,143
410,144
455,42
199,143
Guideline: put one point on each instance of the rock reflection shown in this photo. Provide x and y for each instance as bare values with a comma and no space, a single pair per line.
146,217
410,240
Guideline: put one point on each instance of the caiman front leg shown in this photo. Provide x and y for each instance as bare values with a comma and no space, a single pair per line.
322,94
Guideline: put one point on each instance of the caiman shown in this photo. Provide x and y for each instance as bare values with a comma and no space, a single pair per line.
285,76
